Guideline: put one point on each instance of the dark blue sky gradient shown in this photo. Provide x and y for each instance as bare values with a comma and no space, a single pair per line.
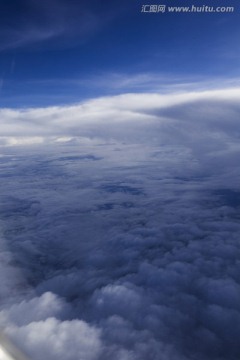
55,49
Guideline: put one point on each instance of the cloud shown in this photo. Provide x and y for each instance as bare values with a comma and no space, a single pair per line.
120,215
156,109
35,309
55,23
204,123
58,340
153,82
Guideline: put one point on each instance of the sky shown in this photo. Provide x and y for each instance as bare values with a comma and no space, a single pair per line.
119,181
58,51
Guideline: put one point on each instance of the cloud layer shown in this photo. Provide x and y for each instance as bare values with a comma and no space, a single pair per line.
120,228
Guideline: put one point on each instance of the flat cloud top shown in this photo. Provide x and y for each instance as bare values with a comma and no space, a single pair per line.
116,110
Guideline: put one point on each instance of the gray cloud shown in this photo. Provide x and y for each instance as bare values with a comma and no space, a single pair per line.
120,228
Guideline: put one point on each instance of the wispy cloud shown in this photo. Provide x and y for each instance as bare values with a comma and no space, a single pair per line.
38,23
156,82
144,82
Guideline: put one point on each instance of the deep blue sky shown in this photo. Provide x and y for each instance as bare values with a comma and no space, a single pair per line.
62,51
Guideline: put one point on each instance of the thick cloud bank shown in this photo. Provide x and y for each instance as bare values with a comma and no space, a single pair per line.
120,228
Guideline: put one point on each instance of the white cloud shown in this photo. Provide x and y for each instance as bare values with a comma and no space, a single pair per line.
149,82
122,213
54,340
113,109
33,310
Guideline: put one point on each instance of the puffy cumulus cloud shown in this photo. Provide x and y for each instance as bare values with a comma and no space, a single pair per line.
33,310
53,339
35,327
122,224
